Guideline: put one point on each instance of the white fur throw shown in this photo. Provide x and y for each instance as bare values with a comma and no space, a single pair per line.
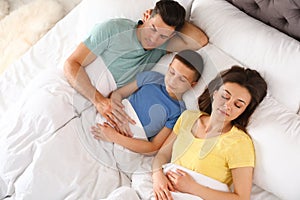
4,6
24,27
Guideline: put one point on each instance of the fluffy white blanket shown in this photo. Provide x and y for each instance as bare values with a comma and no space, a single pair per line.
4,7
25,26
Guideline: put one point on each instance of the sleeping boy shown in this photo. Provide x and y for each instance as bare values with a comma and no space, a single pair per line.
157,102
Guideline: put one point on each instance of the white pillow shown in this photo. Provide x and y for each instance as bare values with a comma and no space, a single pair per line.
276,135
97,11
256,45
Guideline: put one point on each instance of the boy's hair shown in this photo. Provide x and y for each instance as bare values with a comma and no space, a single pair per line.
192,60
171,12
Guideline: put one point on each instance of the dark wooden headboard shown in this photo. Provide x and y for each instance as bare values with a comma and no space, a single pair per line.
283,15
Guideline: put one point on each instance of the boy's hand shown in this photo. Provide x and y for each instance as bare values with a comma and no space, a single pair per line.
104,132
124,129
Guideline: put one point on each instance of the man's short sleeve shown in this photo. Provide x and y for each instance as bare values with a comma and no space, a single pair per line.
98,39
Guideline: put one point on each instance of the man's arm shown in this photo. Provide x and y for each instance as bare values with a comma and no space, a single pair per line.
76,75
78,78
189,37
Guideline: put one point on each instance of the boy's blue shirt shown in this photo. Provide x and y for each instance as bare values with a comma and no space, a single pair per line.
153,105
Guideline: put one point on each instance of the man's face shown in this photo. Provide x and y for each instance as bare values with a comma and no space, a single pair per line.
154,32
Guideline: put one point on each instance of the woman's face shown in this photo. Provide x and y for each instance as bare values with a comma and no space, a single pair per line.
230,101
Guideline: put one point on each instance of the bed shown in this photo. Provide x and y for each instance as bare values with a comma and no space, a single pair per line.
51,149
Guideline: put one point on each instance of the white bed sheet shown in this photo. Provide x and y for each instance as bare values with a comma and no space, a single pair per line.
48,147
71,164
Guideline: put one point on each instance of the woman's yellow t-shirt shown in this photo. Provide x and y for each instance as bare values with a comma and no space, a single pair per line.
213,157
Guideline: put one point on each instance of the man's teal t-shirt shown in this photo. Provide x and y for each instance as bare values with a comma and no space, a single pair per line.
116,42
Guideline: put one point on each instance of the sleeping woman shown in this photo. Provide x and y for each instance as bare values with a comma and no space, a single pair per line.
213,141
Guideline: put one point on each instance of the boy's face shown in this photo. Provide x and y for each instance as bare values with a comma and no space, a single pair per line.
178,79
154,32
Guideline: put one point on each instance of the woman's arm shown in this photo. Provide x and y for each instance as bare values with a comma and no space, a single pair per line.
161,184
106,132
242,181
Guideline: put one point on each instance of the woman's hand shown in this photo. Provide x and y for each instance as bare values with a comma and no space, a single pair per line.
180,180
161,186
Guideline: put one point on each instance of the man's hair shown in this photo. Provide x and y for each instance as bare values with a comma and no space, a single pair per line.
171,12
245,77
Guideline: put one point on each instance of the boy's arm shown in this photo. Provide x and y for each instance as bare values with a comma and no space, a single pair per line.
189,37
105,132
125,91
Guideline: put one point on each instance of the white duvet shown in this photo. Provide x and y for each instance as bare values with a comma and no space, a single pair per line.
47,150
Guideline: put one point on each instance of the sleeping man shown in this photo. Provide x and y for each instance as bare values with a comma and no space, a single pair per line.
127,48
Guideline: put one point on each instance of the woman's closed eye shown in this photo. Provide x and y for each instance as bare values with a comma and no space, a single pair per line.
237,105
227,97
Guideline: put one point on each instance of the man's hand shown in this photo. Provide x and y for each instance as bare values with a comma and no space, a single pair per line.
121,118
104,107
147,15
